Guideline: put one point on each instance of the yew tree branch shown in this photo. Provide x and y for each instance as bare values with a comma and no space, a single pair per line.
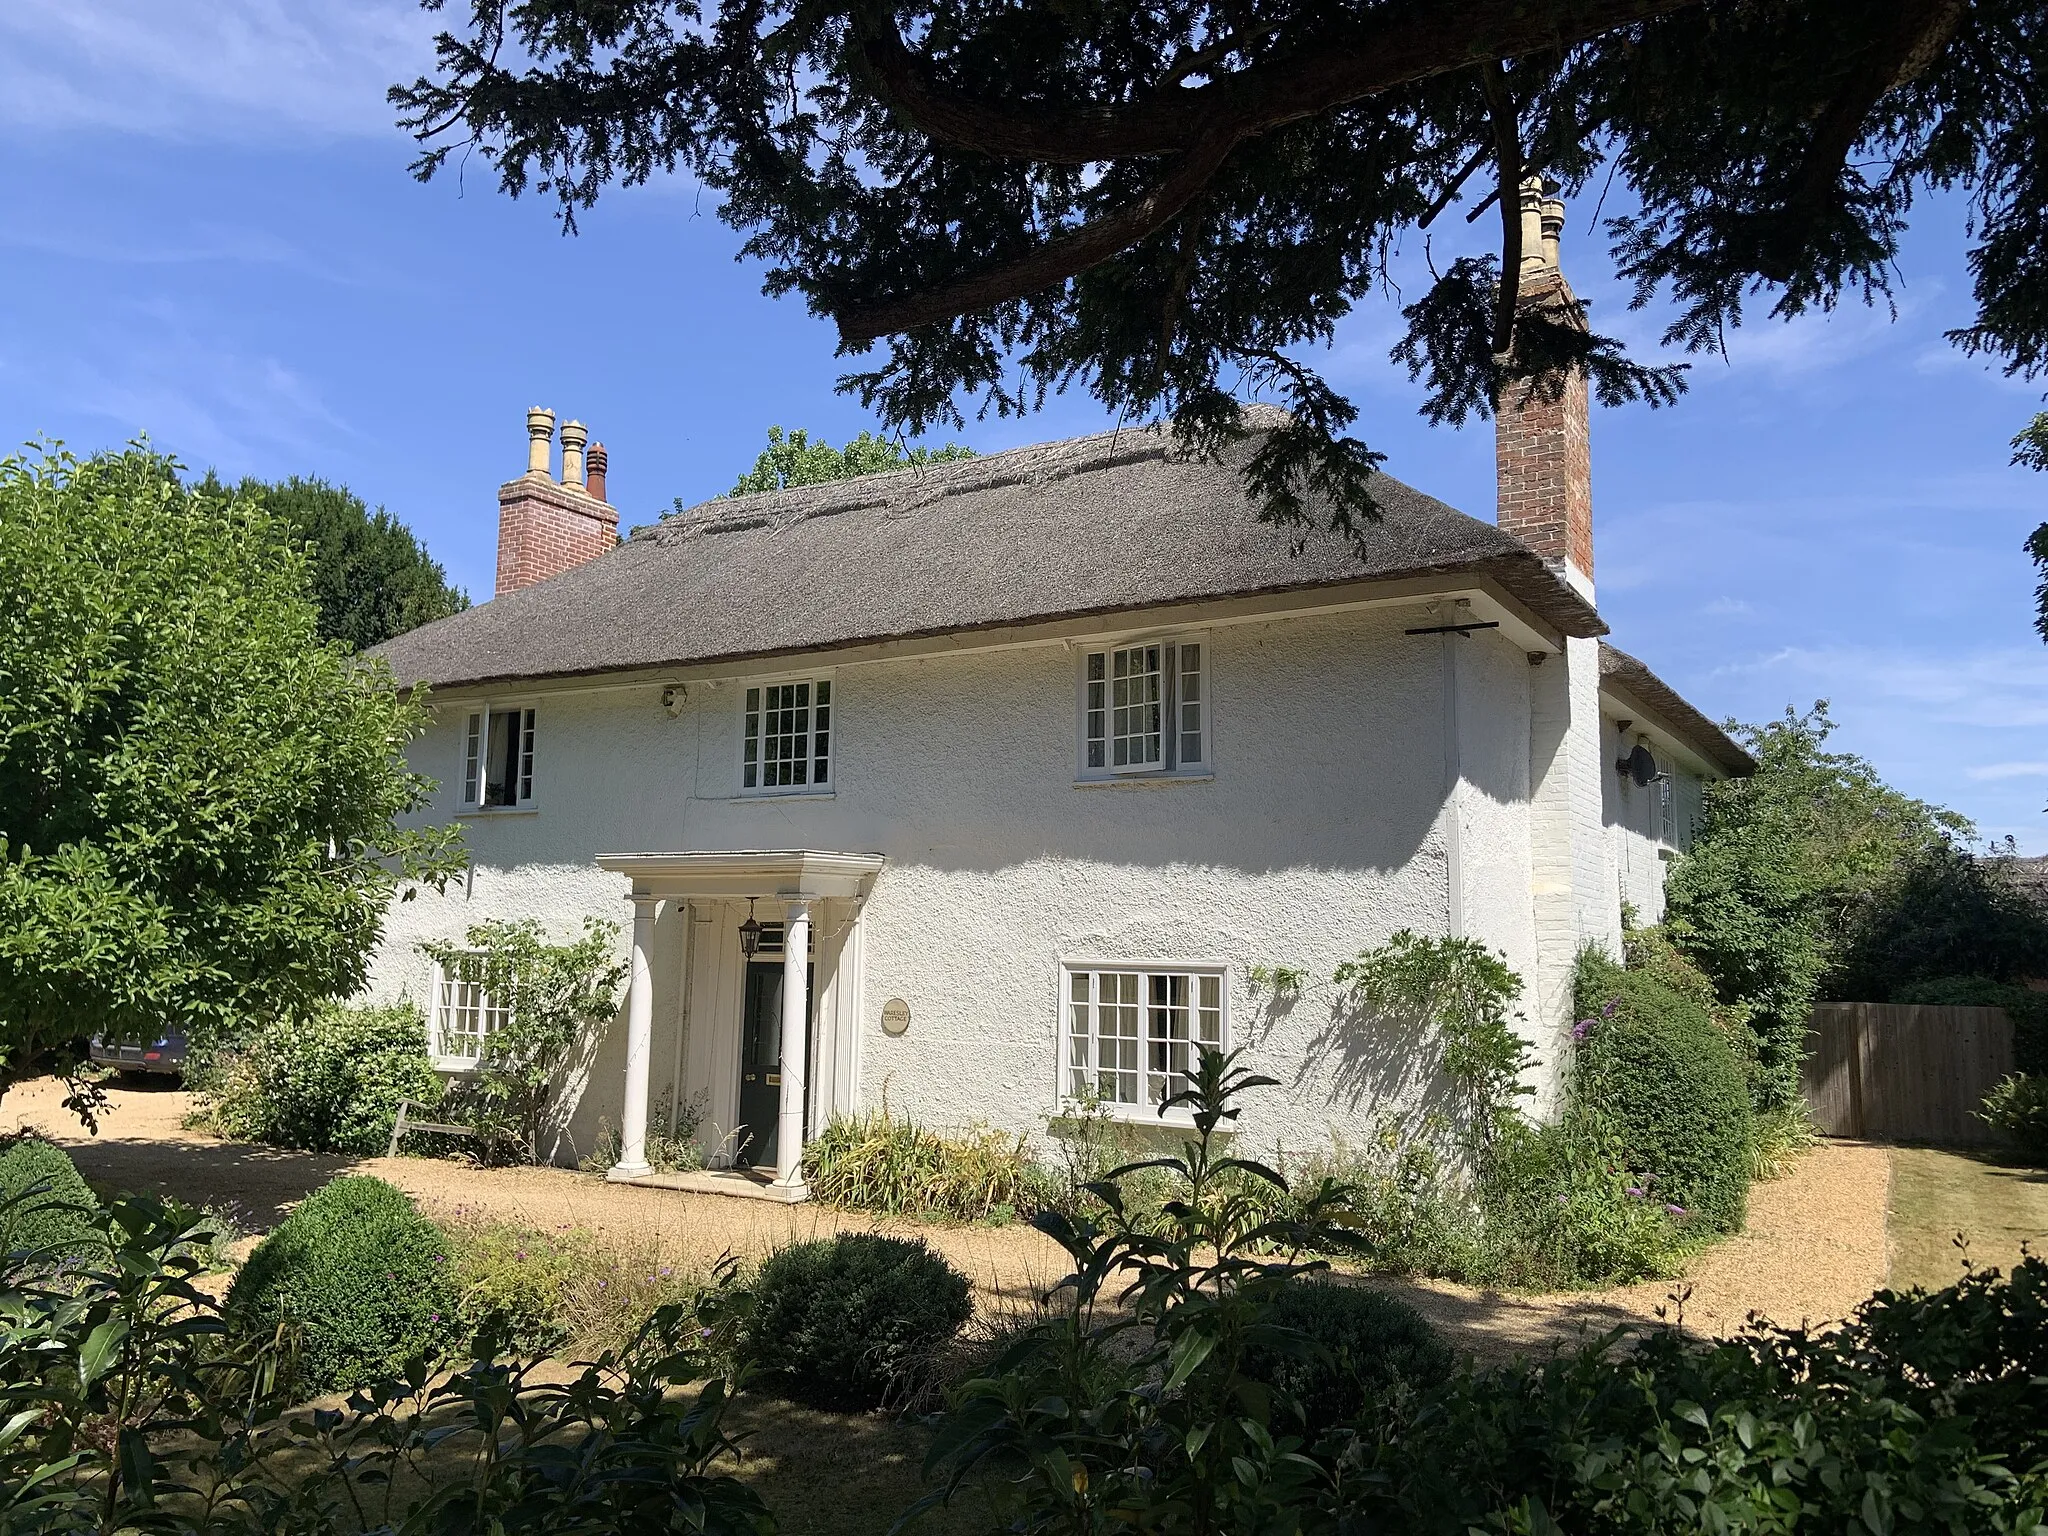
1053,261
1507,155
1396,46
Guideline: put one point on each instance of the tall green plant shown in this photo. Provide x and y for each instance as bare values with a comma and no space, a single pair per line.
1459,993
200,801
554,997
1129,1406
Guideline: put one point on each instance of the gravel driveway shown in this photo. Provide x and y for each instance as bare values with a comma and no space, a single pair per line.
1815,1244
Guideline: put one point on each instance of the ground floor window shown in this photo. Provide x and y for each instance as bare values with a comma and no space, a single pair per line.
1132,1034
465,1016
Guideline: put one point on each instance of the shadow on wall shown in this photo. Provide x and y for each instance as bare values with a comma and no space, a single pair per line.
1358,1058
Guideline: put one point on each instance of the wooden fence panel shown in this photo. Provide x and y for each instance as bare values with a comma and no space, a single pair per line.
1895,1072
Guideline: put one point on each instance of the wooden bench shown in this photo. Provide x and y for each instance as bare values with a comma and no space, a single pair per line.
405,1122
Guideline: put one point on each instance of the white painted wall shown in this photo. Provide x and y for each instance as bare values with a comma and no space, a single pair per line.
1364,781
1642,837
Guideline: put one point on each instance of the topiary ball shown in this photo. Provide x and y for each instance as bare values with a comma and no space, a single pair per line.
1655,1067
48,1216
1374,1343
360,1277
851,1321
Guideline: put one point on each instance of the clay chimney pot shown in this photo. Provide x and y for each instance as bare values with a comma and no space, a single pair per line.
597,469
540,436
574,436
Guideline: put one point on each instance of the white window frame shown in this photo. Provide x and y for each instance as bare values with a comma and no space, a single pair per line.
753,703
1186,706
453,994
473,747
1150,1078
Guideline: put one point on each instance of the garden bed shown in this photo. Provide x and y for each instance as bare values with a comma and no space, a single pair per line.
1813,1246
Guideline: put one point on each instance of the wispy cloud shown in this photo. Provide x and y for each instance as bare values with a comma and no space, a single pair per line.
1727,608
2007,771
1998,689
208,69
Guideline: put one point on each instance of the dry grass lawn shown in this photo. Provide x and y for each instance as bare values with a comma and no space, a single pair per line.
1947,1206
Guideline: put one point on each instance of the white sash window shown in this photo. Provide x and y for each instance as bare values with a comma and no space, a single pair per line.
465,1016
1133,1034
1144,709
497,757
786,742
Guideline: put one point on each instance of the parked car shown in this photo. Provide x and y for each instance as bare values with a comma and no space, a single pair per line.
163,1056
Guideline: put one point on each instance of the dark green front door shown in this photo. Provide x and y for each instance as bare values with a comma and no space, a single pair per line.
760,1067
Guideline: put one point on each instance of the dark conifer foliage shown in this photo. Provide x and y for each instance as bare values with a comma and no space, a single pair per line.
1169,204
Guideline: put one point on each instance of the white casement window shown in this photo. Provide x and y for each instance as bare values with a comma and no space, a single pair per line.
464,1017
1144,708
786,744
1132,1033
497,757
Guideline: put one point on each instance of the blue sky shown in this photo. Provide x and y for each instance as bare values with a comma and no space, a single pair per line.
212,238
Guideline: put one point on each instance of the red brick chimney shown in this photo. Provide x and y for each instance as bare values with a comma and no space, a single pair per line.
545,527
1542,447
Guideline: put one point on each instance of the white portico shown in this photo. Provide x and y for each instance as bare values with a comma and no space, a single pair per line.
753,1022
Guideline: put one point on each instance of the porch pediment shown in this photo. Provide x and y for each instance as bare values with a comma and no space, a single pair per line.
766,873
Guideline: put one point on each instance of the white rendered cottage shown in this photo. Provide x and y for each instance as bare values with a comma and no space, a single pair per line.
1022,765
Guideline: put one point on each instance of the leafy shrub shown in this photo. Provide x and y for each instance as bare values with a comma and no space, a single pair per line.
2018,1110
360,1278
1366,1343
1941,912
2027,1009
45,1207
875,1161
1920,1414
1559,1209
329,1082
855,1320
127,1409
1654,1068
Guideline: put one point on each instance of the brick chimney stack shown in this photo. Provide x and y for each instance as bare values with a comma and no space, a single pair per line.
1542,447
545,527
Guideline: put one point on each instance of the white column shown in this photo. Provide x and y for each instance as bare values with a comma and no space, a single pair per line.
632,1162
796,1042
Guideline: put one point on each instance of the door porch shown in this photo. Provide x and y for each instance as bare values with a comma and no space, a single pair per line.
818,898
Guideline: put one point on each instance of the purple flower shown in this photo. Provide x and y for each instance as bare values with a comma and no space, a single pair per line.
1675,1210
520,1255
1562,1201
665,1272
1636,1190
1582,1029
433,1317
1612,1004
604,1285
703,1333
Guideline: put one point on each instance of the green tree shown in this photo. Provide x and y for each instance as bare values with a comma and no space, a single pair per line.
1781,864
2031,448
793,459
371,577
1169,204
199,799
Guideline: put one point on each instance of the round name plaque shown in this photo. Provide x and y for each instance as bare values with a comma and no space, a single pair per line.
895,1016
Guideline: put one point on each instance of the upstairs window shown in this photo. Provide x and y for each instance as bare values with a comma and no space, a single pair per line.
497,757
1144,709
465,1016
1133,1036
787,742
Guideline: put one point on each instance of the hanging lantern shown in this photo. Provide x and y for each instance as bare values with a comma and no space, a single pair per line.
750,932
